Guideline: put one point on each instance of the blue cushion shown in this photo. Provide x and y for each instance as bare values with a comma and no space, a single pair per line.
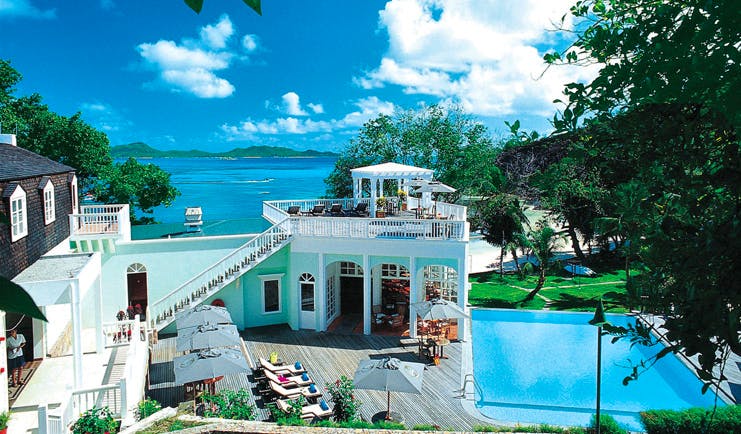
297,365
323,405
312,388
305,376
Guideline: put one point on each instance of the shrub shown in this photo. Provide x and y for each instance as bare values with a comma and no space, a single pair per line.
542,428
95,421
147,408
292,417
346,407
725,420
4,418
229,404
608,425
426,427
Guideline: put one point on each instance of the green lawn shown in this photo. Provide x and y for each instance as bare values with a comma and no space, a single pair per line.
565,292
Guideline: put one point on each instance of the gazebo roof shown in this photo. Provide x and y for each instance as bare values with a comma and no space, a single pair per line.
391,170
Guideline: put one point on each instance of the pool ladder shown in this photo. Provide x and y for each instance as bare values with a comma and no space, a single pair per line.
469,378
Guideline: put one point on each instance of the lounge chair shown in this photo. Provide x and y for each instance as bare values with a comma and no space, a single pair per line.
335,210
395,320
283,369
295,392
292,381
360,210
294,210
311,411
316,211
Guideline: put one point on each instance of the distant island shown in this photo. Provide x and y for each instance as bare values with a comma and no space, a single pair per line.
142,150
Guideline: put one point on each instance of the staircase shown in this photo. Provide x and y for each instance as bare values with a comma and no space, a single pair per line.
162,312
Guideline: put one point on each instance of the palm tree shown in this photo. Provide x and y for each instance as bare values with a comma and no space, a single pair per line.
542,241
500,219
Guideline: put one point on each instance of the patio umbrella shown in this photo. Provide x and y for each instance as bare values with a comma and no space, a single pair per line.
434,187
438,309
389,375
203,314
207,336
208,364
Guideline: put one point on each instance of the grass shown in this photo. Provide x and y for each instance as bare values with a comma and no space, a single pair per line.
565,292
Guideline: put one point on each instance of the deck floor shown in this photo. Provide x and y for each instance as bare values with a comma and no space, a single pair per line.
327,356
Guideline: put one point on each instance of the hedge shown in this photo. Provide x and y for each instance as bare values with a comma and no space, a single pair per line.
726,420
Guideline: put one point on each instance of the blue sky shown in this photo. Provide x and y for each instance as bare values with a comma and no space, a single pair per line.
306,75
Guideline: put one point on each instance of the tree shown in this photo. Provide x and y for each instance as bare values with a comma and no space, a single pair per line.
501,219
144,186
541,240
458,150
197,5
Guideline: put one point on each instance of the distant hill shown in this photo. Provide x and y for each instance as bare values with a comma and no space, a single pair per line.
142,150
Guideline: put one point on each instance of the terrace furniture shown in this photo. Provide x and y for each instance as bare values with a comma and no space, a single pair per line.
292,381
395,320
316,211
336,210
379,318
281,370
294,210
360,210
295,392
312,411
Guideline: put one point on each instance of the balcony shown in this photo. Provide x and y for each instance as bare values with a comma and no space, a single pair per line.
99,225
440,221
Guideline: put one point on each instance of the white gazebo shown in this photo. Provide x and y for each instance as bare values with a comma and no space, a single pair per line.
379,173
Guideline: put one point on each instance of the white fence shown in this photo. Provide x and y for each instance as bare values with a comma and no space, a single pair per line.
101,220
121,397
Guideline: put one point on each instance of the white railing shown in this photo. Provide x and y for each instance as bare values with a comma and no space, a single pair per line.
118,333
278,209
379,228
101,220
218,275
120,397
450,210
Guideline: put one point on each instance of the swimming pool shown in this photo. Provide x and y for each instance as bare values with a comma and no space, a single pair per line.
540,367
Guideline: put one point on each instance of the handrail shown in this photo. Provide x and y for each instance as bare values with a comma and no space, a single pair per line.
219,273
379,228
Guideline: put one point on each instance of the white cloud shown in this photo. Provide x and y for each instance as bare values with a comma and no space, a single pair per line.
292,105
250,43
250,129
191,65
482,54
216,35
316,108
24,8
104,117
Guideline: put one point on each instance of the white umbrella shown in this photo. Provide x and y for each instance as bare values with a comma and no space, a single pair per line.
389,375
434,187
438,309
201,315
208,364
207,336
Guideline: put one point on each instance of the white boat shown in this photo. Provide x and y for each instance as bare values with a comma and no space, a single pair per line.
193,217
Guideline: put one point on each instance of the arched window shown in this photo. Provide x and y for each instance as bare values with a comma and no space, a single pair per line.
306,283
47,194
136,268
18,217
441,281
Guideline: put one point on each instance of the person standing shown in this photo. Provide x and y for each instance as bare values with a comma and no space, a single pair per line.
16,342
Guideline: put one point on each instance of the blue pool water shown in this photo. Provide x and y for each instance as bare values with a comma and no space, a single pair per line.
540,367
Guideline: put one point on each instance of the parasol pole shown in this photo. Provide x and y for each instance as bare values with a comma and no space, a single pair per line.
388,405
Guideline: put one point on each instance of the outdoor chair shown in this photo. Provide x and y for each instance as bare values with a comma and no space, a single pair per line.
292,381
360,210
396,320
335,210
311,411
316,211
281,370
379,318
293,393
294,210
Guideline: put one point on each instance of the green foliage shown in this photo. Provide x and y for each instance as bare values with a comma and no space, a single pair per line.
16,299
4,418
228,404
458,150
147,408
346,406
608,424
430,427
168,425
197,5
95,421
721,420
292,417
542,428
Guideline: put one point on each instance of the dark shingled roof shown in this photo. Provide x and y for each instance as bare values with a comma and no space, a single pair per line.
19,163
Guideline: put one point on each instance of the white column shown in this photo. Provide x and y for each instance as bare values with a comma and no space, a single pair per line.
373,191
76,334
462,294
4,364
321,301
39,338
413,296
366,295
98,300
42,412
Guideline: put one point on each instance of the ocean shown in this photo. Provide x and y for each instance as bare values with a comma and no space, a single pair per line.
234,189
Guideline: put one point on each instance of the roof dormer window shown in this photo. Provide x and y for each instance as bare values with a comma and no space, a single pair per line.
18,215
47,193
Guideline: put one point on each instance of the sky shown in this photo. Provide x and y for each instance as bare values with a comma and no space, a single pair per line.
304,75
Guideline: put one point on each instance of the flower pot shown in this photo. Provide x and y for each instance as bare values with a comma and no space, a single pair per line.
403,206
4,430
380,214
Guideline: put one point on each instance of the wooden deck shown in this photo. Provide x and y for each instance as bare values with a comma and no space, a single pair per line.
327,356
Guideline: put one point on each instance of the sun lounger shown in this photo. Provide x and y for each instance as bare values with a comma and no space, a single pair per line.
293,393
318,210
311,411
281,370
335,210
360,210
294,210
292,381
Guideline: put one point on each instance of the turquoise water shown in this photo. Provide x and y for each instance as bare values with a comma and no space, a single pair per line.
231,192
540,367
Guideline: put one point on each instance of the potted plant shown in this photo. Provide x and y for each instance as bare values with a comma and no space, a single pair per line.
4,418
381,207
95,421
403,198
